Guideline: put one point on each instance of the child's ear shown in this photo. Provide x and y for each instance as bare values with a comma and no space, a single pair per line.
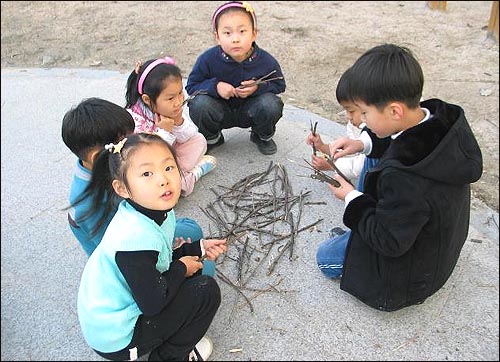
216,37
91,157
93,154
120,189
146,99
254,37
397,110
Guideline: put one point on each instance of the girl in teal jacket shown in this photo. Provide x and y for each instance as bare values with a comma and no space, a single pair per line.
137,294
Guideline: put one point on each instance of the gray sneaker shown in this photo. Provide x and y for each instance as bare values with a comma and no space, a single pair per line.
265,147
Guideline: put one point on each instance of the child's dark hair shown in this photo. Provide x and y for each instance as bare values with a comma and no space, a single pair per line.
112,163
94,122
149,78
387,73
241,6
343,91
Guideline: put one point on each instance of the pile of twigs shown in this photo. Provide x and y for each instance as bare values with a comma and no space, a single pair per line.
261,218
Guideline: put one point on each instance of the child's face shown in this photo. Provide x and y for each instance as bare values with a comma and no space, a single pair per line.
235,34
153,177
353,113
380,122
169,102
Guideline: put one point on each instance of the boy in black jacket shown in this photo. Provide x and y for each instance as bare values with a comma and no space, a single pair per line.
410,223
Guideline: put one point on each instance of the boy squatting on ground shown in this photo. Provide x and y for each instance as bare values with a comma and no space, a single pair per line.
409,224
86,129
226,76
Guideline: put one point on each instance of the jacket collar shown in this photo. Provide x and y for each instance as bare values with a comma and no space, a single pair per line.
416,143
251,58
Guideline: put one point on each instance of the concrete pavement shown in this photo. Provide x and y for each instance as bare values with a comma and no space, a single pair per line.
310,318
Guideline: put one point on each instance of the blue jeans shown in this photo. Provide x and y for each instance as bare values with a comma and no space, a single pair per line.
260,113
331,253
368,164
188,228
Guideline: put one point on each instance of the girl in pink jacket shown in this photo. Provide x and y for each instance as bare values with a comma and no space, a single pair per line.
155,99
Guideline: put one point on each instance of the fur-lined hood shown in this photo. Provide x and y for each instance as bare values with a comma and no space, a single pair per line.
448,137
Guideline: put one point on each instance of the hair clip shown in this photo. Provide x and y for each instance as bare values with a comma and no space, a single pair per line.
247,7
112,148
119,146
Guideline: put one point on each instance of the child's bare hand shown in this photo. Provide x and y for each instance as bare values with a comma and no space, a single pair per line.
314,140
192,263
246,90
343,190
320,163
225,90
163,122
345,146
214,247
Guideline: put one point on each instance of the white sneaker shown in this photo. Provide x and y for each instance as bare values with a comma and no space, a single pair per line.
202,350
204,166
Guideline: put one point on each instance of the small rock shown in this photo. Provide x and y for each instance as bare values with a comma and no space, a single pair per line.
485,92
48,60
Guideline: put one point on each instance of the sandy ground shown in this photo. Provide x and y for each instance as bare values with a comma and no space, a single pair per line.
313,41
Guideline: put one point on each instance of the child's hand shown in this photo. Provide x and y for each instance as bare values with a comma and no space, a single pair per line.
246,90
344,188
345,146
192,263
225,90
320,163
316,141
163,122
214,247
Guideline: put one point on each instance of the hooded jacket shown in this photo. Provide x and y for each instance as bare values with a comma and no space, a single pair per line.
410,225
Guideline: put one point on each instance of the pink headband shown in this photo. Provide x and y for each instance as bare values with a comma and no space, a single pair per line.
166,60
243,5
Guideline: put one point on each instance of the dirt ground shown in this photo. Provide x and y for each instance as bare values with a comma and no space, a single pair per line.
313,41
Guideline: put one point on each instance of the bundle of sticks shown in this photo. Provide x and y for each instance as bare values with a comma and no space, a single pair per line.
260,216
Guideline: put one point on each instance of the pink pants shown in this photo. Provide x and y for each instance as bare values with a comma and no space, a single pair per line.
189,154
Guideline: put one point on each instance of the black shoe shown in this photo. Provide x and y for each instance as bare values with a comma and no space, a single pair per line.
265,147
216,144
336,231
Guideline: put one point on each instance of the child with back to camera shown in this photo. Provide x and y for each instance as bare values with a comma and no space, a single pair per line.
86,128
136,294
409,224
227,75
155,98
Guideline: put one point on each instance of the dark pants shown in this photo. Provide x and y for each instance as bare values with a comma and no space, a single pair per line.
212,115
173,333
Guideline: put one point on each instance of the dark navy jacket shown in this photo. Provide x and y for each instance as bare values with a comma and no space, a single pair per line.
409,226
